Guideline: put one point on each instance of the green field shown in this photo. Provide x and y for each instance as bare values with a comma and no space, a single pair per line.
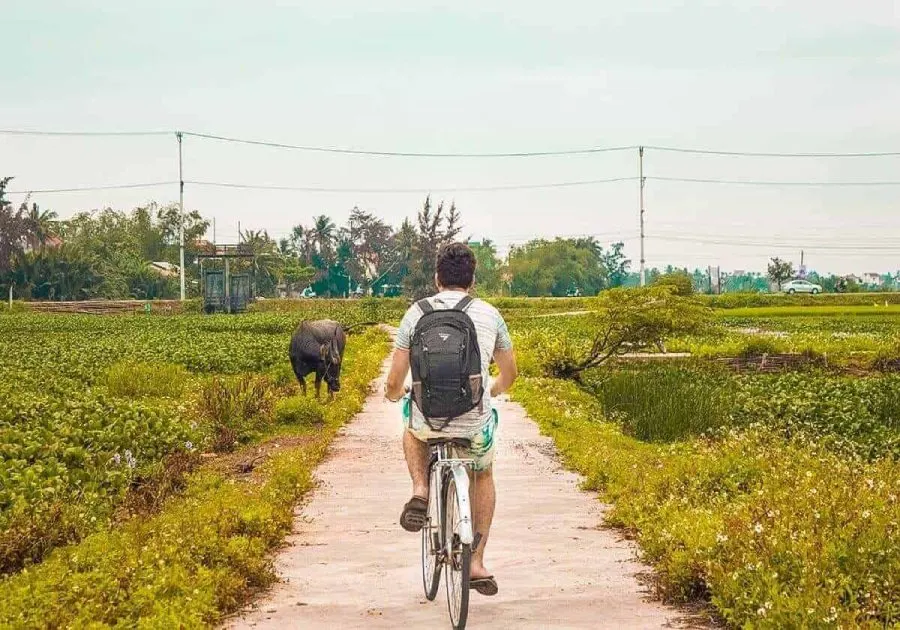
120,438
773,497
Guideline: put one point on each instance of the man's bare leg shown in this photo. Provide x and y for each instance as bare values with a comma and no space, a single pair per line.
417,456
484,499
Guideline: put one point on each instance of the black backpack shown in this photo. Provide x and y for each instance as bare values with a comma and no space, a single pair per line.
446,363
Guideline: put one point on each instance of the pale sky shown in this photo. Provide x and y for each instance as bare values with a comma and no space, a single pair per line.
486,76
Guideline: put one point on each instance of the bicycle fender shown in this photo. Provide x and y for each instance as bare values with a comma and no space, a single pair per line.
461,478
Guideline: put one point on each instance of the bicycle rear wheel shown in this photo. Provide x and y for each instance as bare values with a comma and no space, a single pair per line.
458,560
431,544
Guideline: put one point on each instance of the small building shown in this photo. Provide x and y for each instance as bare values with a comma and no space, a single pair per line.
223,290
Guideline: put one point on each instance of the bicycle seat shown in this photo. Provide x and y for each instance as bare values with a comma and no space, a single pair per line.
455,441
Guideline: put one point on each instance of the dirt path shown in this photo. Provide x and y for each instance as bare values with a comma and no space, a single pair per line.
350,565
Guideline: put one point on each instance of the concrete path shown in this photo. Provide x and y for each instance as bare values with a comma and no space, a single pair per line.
350,565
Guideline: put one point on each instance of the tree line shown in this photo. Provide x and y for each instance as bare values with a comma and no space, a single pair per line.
115,254
111,254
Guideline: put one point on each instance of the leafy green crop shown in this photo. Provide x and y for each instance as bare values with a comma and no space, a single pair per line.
93,404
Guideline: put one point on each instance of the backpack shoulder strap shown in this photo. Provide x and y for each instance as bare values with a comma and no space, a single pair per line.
464,303
425,306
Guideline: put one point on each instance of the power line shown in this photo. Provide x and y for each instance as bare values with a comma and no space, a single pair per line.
320,149
426,154
320,189
27,132
744,182
499,188
772,155
91,188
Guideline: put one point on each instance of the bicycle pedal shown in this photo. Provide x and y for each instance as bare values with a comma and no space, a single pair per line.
476,541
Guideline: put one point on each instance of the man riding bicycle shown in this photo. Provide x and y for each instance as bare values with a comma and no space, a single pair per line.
454,277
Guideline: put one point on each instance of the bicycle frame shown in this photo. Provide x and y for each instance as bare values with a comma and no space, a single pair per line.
443,459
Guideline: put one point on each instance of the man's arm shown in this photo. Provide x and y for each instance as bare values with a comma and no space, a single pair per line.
506,361
393,387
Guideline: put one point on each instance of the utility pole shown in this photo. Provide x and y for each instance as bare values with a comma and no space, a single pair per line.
181,212
641,172
214,230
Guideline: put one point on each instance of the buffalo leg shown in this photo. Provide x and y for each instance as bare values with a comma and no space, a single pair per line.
318,387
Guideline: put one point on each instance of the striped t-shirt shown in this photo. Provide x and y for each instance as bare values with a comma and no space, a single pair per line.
493,335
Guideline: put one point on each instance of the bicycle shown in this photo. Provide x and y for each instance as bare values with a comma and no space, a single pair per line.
447,536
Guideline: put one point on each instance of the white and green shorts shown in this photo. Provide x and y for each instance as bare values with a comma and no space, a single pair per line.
482,438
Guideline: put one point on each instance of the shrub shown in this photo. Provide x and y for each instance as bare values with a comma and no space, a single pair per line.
757,346
299,410
146,380
681,280
236,408
626,320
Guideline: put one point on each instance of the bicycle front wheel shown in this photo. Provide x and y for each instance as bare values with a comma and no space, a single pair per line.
458,557
431,544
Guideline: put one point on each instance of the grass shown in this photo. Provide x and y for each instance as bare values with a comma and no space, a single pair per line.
775,533
662,403
746,300
299,410
872,309
204,552
237,408
146,380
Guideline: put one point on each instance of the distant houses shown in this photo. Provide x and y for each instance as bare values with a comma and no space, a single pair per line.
872,279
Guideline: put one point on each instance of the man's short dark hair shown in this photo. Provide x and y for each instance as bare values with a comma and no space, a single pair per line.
455,266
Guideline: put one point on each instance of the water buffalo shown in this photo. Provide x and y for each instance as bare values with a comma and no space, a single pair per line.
318,346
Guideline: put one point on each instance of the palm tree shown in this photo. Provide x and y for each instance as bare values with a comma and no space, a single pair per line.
302,241
41,225
324,231
267,261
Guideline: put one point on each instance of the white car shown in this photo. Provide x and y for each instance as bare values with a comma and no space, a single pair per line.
801,286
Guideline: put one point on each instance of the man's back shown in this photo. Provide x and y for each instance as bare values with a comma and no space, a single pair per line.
492,334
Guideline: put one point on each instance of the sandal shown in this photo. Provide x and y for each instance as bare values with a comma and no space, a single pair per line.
484,586
412,519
